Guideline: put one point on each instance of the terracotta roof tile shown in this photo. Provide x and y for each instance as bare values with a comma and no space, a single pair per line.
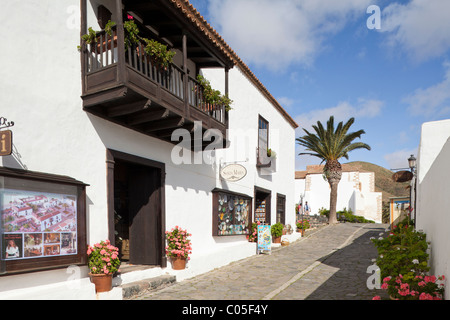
318,169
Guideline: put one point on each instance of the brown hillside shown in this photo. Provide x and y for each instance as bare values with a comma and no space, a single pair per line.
383,180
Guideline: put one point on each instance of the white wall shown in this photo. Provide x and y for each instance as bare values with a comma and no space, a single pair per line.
248,104
433,202
362,202
53,134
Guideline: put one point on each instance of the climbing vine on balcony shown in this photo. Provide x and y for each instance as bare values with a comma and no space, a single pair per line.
213,96
158,52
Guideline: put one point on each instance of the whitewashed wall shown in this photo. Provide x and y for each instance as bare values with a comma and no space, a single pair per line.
364,201
433,201
53,134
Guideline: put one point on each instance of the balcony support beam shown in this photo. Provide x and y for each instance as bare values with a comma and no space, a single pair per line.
148,117
185,76
171,123
121,71
126,109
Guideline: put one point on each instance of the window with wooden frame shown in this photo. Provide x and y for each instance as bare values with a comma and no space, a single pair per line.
232,213
43,221
281,208
263,142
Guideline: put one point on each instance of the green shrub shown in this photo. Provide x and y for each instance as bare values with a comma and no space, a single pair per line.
403,262
277,230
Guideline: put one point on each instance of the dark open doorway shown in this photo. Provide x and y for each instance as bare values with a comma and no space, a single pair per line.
137,218
262,205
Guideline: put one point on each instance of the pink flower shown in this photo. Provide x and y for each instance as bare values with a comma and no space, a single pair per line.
425,296
376,298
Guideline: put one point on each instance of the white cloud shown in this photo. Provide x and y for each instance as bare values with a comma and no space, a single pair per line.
399,159
419,27
434,100
365,108
286,102
275,34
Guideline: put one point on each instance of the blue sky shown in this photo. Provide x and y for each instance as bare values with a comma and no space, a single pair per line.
318,58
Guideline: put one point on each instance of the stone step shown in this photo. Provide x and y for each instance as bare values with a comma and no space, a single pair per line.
132,289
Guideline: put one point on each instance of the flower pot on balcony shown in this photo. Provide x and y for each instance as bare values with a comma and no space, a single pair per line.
104,45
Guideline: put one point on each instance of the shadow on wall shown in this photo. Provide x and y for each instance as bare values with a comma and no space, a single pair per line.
197,177
433,202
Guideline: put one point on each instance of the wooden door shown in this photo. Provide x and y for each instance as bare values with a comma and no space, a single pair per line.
145,215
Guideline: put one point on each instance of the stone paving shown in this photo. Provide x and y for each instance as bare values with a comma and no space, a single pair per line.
329,263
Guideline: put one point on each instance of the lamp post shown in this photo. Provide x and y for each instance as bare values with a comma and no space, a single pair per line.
412,163
412,167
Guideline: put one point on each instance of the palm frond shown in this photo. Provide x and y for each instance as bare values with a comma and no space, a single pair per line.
331,143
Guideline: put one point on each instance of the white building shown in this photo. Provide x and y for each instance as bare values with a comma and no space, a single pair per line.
103,122
356,191
432,200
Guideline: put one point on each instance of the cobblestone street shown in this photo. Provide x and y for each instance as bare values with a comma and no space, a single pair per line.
329,263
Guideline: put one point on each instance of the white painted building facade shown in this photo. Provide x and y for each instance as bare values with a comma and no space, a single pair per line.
432,200
356,191
53,134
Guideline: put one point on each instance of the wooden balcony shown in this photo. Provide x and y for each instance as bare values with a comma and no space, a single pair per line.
125,87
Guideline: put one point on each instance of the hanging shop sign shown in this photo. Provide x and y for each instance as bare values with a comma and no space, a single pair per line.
5,143
264,239
402,176
233,172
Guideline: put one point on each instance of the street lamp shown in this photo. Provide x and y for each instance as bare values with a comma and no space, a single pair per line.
412,163
412,167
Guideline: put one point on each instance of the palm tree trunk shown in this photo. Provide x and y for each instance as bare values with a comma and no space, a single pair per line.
333,200
333,173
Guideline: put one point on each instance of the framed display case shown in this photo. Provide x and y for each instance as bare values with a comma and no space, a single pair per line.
43,221
232,213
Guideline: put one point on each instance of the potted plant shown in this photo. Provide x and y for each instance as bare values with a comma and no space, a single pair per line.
160,56
271,153
211,96
178,247
277,232
103,262
253,236
302,225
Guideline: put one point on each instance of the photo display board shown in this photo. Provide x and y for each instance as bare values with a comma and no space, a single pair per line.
42,223
38,224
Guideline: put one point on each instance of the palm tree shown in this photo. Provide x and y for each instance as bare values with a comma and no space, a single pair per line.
330,145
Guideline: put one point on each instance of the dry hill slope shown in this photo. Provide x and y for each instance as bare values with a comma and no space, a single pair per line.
383,180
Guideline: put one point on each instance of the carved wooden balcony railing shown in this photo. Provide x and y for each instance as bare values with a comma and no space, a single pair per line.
126,87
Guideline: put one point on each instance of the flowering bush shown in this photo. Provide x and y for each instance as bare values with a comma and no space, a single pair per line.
178,244
103,258
403,262
253,236
414,287
303,224
403,251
